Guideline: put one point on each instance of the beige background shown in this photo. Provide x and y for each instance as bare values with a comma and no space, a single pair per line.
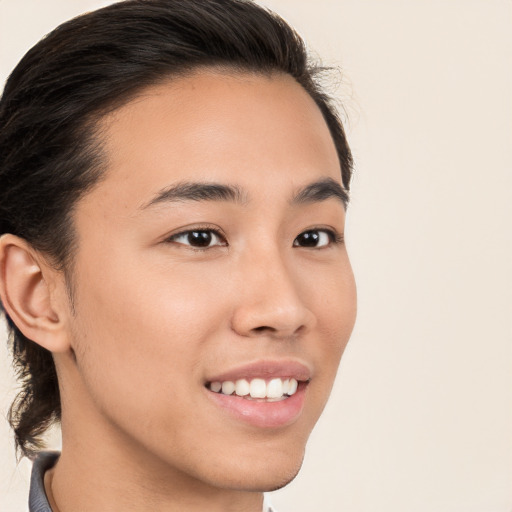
421,416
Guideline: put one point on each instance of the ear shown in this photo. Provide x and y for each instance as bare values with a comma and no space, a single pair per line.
32,295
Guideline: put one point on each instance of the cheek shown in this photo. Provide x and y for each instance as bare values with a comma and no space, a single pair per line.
145,329
334,298
339,309
331,293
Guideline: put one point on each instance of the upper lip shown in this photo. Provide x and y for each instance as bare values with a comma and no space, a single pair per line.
266,369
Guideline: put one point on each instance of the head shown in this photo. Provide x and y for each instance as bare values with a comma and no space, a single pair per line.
173,185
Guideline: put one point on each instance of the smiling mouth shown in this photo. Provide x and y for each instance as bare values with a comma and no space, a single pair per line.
261,390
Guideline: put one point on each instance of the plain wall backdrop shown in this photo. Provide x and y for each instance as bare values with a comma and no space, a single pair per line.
421,415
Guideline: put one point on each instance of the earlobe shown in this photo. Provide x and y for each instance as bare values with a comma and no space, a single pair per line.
27,295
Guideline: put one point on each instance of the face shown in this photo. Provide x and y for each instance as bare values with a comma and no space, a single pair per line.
211,256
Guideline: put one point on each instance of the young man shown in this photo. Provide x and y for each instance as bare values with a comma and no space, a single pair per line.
173,185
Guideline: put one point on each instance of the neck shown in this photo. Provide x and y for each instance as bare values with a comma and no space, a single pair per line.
91,479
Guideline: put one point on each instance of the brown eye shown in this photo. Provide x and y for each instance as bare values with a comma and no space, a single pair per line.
314,238
199,238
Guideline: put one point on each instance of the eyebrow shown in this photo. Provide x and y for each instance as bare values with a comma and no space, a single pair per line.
317,191
197,191
321,190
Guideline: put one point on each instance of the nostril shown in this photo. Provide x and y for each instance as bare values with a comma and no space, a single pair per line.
264,328
272,318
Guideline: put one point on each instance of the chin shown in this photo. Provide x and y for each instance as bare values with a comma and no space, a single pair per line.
283,482
264,475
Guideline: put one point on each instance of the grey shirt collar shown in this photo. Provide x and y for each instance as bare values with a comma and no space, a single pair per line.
37,501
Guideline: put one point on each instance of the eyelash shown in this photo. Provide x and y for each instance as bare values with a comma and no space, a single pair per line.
334,237
199,229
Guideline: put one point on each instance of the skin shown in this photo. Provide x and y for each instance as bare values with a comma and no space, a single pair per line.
155,318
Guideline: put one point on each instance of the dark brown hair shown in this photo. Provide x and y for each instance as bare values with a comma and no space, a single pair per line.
50,155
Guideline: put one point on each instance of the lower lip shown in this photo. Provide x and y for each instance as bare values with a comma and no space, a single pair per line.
263,414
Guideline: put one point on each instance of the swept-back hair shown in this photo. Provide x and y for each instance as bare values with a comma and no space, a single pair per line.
50,154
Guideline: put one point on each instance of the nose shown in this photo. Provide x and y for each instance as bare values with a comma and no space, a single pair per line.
270,300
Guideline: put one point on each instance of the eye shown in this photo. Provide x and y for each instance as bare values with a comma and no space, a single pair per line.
199,238
317,238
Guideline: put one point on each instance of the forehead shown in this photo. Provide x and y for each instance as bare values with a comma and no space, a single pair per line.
260,132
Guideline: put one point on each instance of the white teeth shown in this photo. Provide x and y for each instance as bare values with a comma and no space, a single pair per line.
216,386
228,387
275,388
257,388
242,387
292,388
